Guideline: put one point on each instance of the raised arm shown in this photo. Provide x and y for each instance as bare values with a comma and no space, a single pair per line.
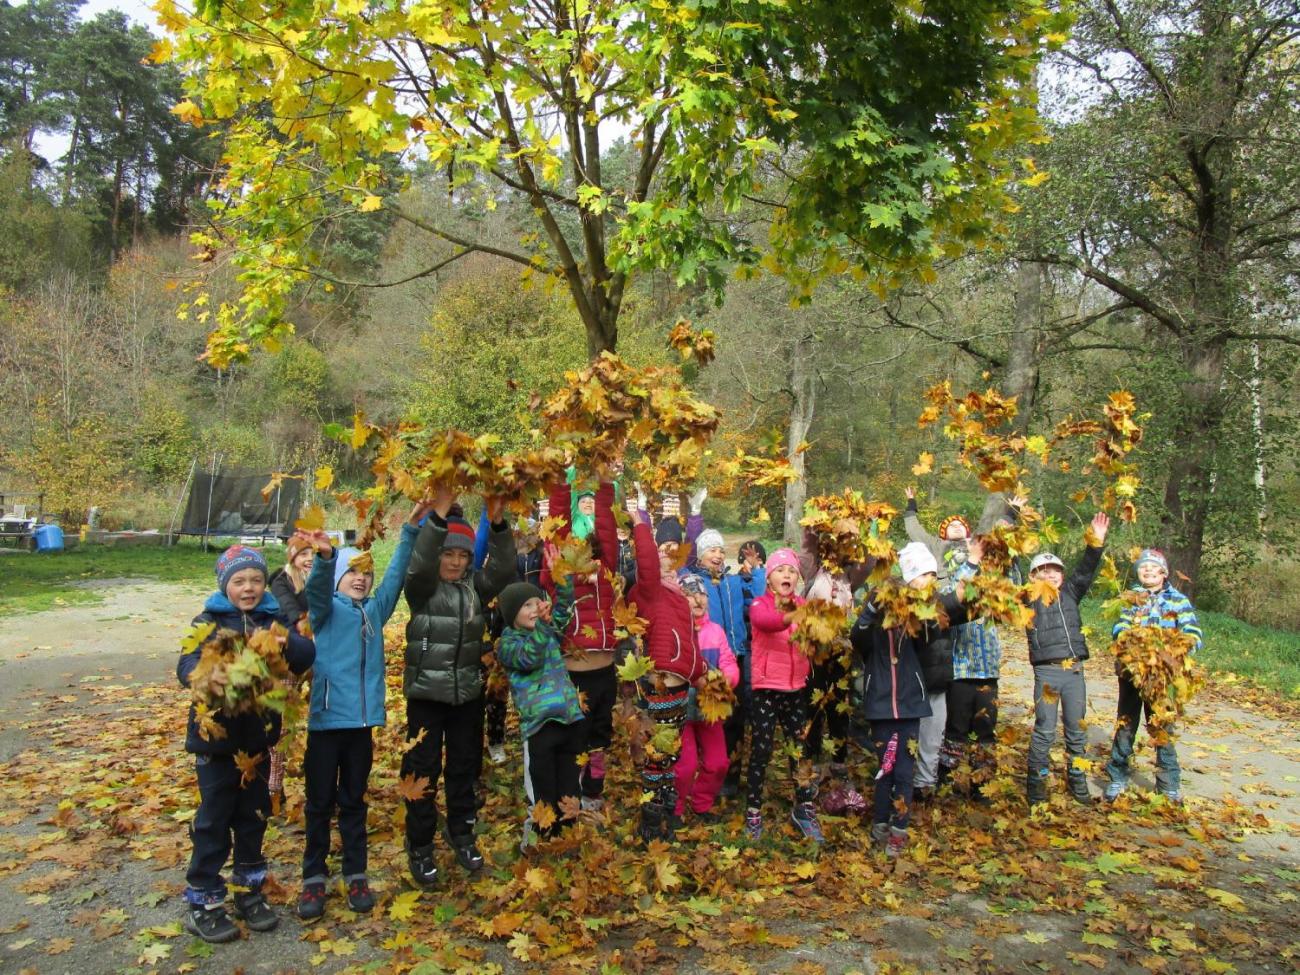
913,524
501,568
522,651
320,589
606,527
647,555
808,564
395,575
422,570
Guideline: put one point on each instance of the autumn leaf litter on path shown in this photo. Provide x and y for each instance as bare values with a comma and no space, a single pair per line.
93,847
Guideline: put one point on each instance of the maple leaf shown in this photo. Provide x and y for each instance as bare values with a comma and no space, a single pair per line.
363,563
247,765
403,906
414,741
716,699
542,815
666,874
311,520
634,668
413,788
196,635
324,478
1040,590
924,464
58,946
570,807
153,954
273,485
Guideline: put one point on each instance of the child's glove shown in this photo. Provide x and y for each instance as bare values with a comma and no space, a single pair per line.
696,500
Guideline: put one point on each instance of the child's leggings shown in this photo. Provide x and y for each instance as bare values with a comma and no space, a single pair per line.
893,799
789,709
601,689
702,765
667,709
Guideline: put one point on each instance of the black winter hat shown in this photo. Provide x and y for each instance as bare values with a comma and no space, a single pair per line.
513,597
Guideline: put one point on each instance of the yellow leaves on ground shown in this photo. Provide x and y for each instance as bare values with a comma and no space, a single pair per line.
1226,898
543,815
403,906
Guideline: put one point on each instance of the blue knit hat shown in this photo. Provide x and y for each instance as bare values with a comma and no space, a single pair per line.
342,557
234,559
1152,556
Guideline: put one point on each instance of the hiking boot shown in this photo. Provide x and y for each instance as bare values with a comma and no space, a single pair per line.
879,834
1036,787
804,815
424,872
1114,789
676,821
497,754
896,843
1079,787
311,902
253,910
212,925
754,824
466,850
360,897
592,803
655,824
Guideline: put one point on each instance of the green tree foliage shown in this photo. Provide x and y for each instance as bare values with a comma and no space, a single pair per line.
890,123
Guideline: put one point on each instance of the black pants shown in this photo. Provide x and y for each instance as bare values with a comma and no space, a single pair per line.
789,709
893,798
229,814
600,690
458,728
336,769
827,713
551,766
495,711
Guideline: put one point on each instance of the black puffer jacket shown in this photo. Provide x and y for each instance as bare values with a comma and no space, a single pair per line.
893,662
447,635
1057,631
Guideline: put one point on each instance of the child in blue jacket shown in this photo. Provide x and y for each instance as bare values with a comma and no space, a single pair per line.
347,700
1164,606
233,810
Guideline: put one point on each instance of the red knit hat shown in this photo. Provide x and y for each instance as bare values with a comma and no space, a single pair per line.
459,534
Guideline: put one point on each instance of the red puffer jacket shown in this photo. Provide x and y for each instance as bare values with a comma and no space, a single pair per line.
671,641
592,624
776,664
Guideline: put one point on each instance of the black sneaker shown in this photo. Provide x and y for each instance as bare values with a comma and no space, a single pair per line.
213,926
467,853
360,898
424,872
311,902
253,910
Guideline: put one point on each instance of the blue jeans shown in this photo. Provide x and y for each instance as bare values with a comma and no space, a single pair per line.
1131,708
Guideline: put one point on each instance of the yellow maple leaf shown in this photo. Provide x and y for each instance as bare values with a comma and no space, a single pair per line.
924,464
311,520
247,765
324,478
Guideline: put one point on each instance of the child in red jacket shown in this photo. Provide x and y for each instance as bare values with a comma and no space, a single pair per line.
589,642
779,676
673,648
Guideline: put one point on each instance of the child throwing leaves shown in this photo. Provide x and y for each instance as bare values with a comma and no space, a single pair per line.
674,651
1057,650
347,701
703,763
779,677
896,697
233,806
1157,603
443,676
550,715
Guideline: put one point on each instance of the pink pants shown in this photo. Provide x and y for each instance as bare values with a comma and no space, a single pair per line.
701,766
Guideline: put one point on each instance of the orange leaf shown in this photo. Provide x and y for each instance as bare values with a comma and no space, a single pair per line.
413,788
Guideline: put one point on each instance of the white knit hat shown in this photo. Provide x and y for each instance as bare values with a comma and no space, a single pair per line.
709,538
916,559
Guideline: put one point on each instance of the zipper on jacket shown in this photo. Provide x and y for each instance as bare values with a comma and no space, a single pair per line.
364,621
460,643
1065,628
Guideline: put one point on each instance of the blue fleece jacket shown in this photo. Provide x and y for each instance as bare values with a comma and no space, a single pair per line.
347,688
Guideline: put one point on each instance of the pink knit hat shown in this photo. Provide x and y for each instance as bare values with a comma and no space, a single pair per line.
782,556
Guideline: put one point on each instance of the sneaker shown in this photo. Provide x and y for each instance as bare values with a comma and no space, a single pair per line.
855,803
360,897
467,854
804,815
424,872
311,902
212,925
896,844
879,834
753,825
497,754
1078,783
592,804
1174,797
835,802
253,910
1114,789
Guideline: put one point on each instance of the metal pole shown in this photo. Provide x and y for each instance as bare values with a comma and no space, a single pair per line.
171,526
207,518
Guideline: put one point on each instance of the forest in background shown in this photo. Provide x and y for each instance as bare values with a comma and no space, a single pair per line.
1141,260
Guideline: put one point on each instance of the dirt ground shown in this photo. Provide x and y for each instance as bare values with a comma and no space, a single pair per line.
1210,888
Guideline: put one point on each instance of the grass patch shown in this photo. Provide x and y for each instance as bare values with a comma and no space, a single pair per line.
1265,656
36,581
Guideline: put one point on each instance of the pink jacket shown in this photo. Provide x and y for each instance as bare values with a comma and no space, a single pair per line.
776,664
716,651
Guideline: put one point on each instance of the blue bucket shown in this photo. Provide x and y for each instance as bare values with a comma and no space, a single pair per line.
49,538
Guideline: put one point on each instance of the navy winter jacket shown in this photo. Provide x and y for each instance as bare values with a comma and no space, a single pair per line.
893,662
248,733
347,686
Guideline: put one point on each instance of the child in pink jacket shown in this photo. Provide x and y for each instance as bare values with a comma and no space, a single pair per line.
703,762
778,676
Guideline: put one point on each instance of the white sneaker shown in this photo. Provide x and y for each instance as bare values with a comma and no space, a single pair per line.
592,805
497,754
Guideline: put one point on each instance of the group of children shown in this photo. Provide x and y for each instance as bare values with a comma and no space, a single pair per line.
930,697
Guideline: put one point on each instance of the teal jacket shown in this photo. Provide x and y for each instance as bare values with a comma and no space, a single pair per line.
1167,608
347,687
539,681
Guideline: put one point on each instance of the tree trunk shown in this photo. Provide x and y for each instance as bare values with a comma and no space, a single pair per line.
1257,427
803,394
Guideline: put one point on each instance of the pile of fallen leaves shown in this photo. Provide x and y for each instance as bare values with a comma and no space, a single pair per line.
1158,660
237,674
